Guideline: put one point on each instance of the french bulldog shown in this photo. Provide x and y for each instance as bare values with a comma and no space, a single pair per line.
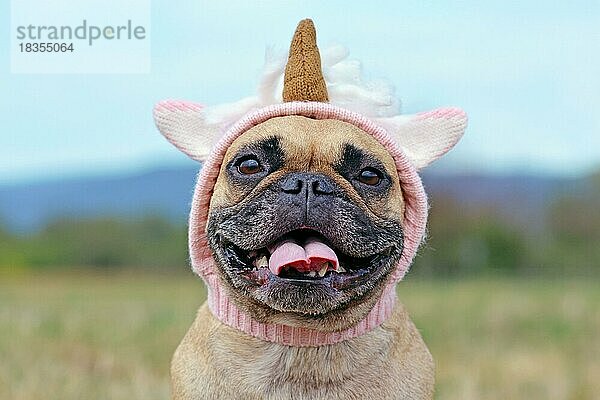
304,217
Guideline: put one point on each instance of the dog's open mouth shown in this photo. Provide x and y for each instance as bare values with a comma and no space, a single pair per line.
302,257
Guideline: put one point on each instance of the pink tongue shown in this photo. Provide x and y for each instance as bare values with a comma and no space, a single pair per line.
309,257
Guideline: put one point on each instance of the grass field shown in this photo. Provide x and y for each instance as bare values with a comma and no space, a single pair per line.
66,336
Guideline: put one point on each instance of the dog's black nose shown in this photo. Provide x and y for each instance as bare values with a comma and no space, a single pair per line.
308,184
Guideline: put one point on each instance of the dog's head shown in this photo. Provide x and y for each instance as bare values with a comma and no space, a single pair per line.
306,218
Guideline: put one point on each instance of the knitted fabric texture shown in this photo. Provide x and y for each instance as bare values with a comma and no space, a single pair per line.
303,77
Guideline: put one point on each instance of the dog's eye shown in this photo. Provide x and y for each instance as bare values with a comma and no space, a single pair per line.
249,166
369,176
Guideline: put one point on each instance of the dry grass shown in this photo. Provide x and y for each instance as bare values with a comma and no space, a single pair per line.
511,339
99,337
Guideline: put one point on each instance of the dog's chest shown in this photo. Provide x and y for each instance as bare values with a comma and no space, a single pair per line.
345,370
215,361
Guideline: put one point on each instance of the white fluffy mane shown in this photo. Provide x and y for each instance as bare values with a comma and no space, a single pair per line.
345,86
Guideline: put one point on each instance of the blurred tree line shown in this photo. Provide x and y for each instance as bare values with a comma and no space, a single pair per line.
462,241
108,242
564,239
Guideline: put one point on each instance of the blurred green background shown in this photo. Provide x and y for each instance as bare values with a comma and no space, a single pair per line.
93,306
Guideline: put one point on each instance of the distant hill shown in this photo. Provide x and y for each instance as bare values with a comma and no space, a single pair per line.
27,207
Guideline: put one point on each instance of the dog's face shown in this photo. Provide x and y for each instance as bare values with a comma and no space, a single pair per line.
305,221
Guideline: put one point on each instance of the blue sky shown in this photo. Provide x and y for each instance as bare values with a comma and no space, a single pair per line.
527,73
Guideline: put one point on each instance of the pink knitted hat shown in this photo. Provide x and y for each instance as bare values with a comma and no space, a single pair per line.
413,141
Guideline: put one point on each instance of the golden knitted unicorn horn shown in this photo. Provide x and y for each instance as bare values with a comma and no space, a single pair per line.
303,77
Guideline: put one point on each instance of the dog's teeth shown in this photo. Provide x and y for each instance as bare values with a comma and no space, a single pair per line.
262,262
312,274
340,269
323,270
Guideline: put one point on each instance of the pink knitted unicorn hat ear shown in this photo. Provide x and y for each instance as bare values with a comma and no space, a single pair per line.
423,137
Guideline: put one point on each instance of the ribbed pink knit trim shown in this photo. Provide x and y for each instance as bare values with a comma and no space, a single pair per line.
224,309
415,219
